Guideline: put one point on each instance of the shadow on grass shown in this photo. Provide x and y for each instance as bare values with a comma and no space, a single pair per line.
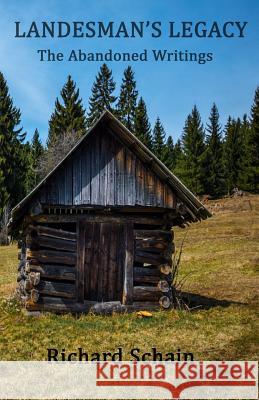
204,302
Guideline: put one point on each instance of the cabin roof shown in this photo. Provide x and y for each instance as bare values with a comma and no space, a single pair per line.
195,209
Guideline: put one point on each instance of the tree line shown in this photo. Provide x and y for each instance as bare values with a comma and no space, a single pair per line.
210,159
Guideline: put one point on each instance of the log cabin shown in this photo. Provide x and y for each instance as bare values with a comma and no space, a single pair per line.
96,234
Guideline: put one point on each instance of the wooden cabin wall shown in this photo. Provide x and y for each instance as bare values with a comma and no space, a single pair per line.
104,172
58,271
47,269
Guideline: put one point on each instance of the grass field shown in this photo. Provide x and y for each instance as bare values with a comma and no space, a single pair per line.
220,261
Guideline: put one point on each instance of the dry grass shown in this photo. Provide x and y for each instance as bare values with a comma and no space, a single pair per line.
221,257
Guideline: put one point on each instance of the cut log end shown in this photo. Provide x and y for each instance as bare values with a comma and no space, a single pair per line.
163,286
165,302
35,296
165,269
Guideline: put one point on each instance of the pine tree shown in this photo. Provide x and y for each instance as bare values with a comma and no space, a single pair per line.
191,164
169,155
159,147
126,107
5,168
142,127
37,151
102,94
69,116
233,154
177,153
11,149
253,144
213,158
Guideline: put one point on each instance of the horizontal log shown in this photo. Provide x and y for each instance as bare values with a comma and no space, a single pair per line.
59,305
57,289
146,275
152,280
146,271
107,307
55,272
146,293
153,234
56,233
150,258
51,242
151,244
49,257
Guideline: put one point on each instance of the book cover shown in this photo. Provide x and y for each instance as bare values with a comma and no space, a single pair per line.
129,199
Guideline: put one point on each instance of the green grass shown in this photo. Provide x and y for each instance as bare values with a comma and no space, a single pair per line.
221,259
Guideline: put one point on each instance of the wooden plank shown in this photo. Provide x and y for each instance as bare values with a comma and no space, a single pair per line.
88,257
68,184
57,233
95,164
94,263
105,241
120,172
80,266
111,175
77,181
55,272
86,174
52,242
129,181
102,171
71,218
57,289
170,199
140,183
150,195
112,266
49,257
159,193
128,265
120,257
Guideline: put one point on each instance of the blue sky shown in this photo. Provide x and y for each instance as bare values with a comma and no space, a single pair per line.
170,89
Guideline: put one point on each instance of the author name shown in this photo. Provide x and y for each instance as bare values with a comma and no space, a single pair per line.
135,354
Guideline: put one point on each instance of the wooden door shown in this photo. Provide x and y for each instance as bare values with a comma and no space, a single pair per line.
105,265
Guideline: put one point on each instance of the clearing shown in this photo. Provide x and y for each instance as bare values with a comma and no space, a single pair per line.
220,262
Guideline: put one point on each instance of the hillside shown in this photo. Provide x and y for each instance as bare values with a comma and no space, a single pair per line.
219,264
